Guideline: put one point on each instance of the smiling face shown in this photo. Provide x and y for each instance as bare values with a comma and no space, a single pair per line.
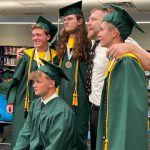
71,23
40,38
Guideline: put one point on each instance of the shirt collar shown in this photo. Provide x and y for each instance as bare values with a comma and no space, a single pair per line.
49,98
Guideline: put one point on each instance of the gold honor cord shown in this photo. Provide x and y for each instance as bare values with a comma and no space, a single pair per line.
75,93
27,100
108,72
60,64
110,66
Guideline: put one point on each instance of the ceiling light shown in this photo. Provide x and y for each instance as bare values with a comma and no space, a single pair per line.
143,22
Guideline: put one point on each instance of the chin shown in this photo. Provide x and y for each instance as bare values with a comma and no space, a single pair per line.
103,45
67,29
90,36
36,45
36,93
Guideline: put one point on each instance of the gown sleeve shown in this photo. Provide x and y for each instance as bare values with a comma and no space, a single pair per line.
23,140
18,75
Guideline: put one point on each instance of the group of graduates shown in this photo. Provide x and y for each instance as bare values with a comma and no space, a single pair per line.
51,87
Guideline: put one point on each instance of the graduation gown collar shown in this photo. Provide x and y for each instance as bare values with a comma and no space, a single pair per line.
49,98
30,52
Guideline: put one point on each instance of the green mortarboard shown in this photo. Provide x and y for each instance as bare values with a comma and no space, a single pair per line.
53,71
75,8
45,24
7,74
122,20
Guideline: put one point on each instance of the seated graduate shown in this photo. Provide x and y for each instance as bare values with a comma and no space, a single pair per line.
124,104
50,122
7,76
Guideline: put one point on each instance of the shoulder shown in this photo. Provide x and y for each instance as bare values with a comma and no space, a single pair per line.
129,57
53,52
61,102
129,61
29,52
61,105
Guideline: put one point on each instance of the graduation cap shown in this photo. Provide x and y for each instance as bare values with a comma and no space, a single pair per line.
53,71
7,74
45,24
122,20
75,8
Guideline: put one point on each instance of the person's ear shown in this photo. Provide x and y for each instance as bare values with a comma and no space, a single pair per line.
80,21
52,83
48,37
115,32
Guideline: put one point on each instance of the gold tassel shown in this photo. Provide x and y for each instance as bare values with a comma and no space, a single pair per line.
75,93
106,145
75,98
57,89
26,107
27,104
27,100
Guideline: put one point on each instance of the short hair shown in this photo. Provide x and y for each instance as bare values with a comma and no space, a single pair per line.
38,74
110,26
105,9
36,25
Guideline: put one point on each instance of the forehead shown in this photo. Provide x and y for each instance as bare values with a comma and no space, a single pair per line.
98,13
70,16
37,30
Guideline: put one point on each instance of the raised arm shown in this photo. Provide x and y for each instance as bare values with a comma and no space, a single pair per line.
120,49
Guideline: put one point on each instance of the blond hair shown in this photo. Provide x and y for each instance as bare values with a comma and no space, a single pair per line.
36,25
38,74
105,10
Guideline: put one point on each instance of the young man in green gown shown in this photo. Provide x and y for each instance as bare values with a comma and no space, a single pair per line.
50,122
72,51
20,93
123,114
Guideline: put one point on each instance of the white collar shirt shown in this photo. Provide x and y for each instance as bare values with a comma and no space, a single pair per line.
49,98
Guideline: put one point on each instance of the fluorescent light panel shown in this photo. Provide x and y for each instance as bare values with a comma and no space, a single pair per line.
143,22
9,4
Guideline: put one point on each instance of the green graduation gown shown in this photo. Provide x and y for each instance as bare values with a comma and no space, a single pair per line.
66,90
4,87
17,91
48,128
125,88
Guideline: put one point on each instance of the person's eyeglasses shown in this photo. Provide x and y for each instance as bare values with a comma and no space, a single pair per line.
67,19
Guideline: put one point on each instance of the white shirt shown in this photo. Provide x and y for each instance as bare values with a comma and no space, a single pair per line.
50,98
99,68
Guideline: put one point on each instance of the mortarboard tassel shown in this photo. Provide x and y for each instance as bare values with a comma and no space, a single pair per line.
75,93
